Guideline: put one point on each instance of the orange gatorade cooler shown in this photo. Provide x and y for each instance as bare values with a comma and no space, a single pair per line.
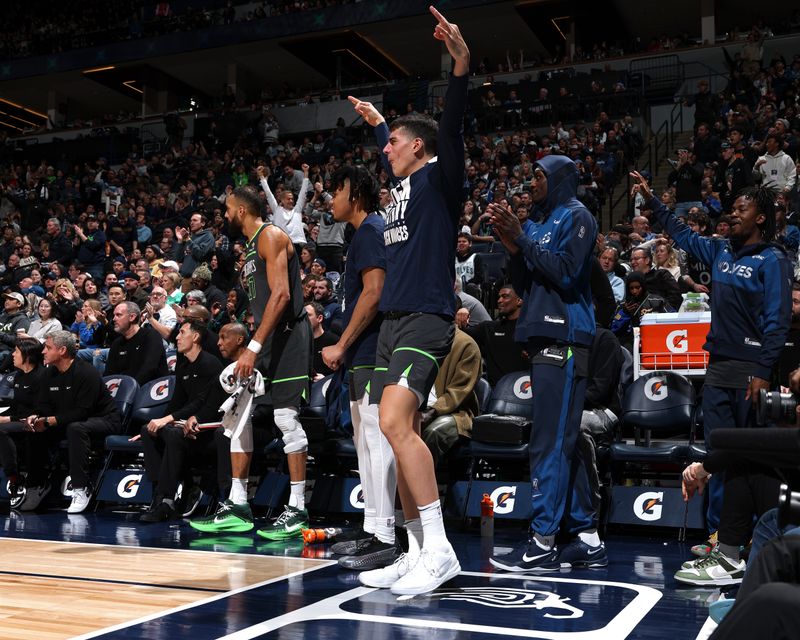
674,340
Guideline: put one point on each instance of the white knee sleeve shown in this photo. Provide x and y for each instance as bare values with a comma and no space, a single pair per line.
294,437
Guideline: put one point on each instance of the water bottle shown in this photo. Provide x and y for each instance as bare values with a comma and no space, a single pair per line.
315,536
487,516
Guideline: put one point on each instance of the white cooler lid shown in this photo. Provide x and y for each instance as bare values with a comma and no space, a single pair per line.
676,318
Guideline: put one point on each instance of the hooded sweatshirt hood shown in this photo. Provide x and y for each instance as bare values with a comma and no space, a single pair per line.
562,183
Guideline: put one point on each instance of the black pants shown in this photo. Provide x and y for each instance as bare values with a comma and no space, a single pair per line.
332,255
36,447
167,453
748,490
767,604
79,437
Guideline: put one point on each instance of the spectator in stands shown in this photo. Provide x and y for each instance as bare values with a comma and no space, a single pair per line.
201,281
159,315
452,403
165,443
608,261
705,145
732,175
73,402
775,169
234,311
638,301
686,177
322,338
133,289
91,246
89,325
323,294
121,233
331,239
45,324
309,287
13,322
471,311
171,283
495,338
194,247
666,258
287,215
790,354
60,246
25,493
138,351
465,258
750,311
659,282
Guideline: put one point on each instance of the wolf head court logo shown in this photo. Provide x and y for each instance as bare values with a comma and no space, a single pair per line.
510,598
656,389
648,506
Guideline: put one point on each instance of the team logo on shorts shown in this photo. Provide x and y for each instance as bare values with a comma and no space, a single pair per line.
113,386
509,598
523,388
655,389
648,506
128,487
503,499
160,391
357,497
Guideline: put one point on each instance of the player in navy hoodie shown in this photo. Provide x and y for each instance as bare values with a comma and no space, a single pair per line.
551,264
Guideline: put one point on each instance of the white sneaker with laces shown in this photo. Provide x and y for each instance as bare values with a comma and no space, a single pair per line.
434,568
80,500
386,576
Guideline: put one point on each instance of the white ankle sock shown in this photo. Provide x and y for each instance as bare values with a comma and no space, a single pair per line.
430,516
297,497
592,539
238,492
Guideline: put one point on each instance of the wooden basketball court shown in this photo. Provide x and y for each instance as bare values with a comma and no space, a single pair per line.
52,590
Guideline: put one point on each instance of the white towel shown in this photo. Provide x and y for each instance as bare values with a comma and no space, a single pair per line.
238,408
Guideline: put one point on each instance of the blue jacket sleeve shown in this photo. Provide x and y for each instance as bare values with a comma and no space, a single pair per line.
776,313
562,265
705,249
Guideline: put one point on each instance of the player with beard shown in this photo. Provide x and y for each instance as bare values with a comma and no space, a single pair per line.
281,348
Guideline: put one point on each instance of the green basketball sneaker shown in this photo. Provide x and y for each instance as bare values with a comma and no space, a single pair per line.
228,518
289,524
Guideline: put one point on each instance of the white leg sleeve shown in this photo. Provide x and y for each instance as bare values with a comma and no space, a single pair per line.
382,470
294,437
359,440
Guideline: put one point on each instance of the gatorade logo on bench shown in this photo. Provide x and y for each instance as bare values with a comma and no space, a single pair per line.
656,389
113,386
357,497
503,499
678,341
648,506
523,389
128,487
172,361
160,391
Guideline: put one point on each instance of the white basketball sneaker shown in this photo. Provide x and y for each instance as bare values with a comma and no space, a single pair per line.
80,500
432,570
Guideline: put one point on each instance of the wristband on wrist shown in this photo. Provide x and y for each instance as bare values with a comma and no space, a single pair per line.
254,346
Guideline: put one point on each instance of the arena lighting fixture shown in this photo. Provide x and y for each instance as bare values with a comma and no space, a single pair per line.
362,61
8,124
96,69
384,53
555,24
129,84
19,106
11,115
